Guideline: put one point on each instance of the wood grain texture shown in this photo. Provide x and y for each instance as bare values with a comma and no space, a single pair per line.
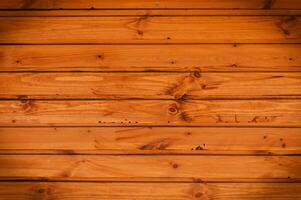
149,191
149,140
151,113
159,168
193,85
151,29
148,12
205,57
154,4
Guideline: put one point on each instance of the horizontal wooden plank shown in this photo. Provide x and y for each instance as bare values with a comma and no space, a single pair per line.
177,168
150,140
151,113
205,57
148,191
155,4
148,12
193,85
151,29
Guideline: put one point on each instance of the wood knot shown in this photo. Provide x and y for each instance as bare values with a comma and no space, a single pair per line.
41,190
198,195
197,74
173,109
139,32
175,166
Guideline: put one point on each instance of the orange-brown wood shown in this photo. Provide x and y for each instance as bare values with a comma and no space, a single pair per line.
155,4
193,85
205,57
148,140
151,113
150,12
160,168
149,191
139,99
151,29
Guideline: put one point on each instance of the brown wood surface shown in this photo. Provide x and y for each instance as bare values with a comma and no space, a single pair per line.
152,99
151,29
155,4
151,113
160,168
149,191
150,12
193,85
205,57
191,140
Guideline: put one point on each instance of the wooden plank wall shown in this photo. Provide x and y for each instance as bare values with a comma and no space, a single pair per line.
150,99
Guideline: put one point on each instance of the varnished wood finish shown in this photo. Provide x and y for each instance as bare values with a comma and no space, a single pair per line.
151,29
141,140
205,57
154,4
149,191
151,113
193,85
157,167
152,99
151,12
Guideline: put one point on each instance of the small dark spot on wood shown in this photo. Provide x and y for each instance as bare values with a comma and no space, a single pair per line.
188,133
99,56
13,121
234,45
18,61
199,148
198,195
281,139
175,166
172,62
92,8
283,145
41,190
233,65
140,32
288,177
290,58
99,121
265,137
168,38
197,74
203,87
168,121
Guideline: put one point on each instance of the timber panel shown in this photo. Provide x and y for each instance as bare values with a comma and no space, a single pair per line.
151,29
129,99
